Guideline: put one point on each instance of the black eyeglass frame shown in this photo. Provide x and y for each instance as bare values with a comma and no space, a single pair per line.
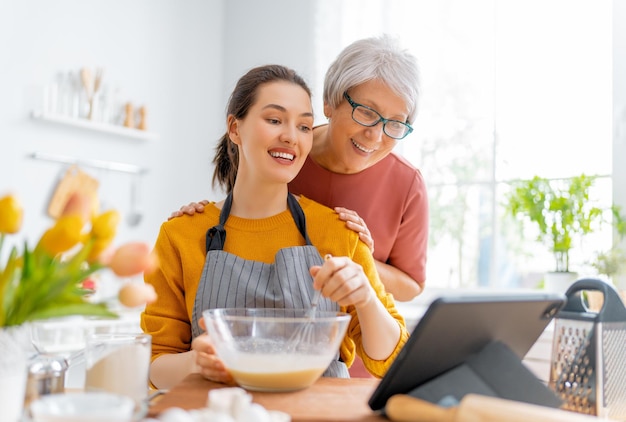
380,118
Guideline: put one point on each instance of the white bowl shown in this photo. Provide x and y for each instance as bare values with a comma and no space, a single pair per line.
83,407
275,349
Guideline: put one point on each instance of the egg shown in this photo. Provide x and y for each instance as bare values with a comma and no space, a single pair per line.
133,295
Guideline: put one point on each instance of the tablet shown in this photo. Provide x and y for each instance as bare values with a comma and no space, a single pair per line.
456,327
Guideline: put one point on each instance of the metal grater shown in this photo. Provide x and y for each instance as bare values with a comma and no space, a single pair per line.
588,365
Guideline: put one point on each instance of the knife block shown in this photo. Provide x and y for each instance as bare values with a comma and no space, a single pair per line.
495,371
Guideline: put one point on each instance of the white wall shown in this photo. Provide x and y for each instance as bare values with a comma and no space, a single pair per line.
161,53
262,32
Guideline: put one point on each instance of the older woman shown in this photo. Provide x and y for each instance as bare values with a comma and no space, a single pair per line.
370,100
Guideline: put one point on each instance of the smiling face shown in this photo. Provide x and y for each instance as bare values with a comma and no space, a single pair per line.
351,147
275,136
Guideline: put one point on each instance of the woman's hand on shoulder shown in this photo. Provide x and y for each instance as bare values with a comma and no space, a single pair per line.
356,223
190,209
343,281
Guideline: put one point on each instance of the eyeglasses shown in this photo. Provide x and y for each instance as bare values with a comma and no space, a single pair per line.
369,117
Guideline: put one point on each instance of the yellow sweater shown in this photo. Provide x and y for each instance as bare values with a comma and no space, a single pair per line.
181,250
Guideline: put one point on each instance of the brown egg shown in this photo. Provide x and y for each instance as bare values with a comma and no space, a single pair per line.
133,295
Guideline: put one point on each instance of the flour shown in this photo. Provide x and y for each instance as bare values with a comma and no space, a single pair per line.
122,371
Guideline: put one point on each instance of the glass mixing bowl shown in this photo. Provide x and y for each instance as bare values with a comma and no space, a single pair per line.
276,349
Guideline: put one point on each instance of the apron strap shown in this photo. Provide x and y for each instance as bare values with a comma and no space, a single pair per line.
298,216
216,235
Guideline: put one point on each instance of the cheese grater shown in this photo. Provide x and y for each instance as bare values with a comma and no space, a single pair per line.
588,364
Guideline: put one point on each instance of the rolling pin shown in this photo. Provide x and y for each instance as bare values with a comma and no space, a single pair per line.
477,408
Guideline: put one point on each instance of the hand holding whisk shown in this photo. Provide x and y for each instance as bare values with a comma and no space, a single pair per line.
316,296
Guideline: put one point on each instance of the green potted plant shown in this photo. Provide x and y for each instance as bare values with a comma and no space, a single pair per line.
562,213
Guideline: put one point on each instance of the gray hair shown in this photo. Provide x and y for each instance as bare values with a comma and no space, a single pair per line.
376,58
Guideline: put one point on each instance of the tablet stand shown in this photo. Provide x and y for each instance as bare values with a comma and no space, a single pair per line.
495,371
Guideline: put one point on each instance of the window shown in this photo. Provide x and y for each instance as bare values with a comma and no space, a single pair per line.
510,90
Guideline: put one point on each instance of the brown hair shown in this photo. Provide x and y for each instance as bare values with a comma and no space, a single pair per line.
226,158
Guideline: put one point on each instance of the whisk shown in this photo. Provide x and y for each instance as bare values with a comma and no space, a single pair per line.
310,313
304,333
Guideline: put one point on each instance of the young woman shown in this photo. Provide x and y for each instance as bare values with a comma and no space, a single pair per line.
258,226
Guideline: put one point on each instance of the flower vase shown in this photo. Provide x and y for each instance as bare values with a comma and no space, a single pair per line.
13,371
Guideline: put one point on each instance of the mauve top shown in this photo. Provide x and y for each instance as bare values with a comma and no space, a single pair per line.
390,196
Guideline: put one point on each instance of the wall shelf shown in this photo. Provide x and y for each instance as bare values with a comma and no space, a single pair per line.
95,126
97,164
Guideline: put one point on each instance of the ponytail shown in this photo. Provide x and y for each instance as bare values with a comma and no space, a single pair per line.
226,161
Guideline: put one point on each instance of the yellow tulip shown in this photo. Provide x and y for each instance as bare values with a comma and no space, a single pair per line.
104,225
11,214
100,251
63,236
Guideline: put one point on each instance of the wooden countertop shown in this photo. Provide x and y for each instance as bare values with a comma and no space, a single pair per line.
329,399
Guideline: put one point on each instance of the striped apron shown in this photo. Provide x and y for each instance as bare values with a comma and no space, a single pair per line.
228,281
